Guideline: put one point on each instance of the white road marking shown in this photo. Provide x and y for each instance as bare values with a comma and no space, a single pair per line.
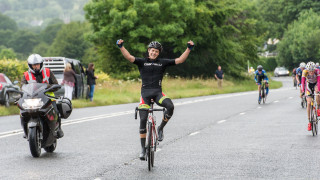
222,121
275,101
243,113
259,107
290,97
192,134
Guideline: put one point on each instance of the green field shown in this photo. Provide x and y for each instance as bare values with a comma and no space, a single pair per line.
120,92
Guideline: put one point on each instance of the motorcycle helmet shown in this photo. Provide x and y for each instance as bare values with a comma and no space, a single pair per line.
35,59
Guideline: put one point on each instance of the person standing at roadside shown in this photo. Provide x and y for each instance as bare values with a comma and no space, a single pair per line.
91,80
68,81
219,76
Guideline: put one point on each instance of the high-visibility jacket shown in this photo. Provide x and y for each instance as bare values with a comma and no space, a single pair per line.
45,75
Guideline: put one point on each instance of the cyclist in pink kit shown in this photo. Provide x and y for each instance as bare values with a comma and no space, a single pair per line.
310,82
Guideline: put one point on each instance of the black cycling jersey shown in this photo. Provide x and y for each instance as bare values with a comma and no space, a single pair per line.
151,71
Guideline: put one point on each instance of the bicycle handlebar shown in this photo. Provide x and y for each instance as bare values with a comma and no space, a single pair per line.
149,110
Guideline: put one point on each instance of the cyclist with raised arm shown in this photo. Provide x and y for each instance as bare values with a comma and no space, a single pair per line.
151,70
310,82
260,75
299,76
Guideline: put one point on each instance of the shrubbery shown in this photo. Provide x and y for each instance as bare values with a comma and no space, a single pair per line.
13,68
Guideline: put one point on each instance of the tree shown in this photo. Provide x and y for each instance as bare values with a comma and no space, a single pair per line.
225,32
278,14
302,40
7,54
70,41
23,41
6,23
50,33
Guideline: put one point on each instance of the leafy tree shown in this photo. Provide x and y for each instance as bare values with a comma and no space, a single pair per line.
42,48
50,33
70,41
6,23
7,54
302,40
225,32
5,36
278,14
23,41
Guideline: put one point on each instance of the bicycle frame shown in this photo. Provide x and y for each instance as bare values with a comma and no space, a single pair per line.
152,136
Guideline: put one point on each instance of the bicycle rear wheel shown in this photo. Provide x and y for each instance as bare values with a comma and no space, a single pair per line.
313,116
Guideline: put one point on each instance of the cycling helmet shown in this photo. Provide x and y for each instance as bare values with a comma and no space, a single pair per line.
310,66
156,45
302,65
317,64
259,68
35,59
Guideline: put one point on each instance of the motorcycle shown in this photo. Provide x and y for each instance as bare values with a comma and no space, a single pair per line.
40,116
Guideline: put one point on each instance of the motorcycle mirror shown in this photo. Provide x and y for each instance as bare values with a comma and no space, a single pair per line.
53,88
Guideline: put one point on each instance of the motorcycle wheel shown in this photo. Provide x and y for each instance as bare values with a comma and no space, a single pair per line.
34,141
51,148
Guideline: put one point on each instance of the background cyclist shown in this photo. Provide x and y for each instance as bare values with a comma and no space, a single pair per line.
151,70
299,76
310,83
260,75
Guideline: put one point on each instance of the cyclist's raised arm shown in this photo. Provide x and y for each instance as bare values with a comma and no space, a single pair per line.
124,51
186,53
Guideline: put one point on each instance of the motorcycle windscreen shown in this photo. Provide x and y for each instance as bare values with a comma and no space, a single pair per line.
34,88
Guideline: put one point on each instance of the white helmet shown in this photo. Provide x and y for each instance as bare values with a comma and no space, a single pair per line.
302,65
35,59
317,64
311,66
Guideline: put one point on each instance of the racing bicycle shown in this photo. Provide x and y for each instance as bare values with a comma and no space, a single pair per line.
152,136
262,93
314,115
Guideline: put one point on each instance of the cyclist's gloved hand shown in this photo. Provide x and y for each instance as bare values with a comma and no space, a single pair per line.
190,45
119,43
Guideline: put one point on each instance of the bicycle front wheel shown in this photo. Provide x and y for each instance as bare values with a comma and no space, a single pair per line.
149,146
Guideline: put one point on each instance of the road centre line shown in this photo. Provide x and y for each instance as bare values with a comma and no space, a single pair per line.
222,121
93,118
194,133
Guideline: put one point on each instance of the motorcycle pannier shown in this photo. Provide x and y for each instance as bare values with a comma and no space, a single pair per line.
65,107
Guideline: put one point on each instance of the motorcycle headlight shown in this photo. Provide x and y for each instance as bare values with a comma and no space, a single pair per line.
32,103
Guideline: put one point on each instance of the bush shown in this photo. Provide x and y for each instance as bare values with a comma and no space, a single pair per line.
13,68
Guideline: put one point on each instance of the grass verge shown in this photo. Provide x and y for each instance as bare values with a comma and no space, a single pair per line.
120,92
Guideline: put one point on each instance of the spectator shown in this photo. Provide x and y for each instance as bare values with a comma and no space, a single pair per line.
68,81
219,76
91,80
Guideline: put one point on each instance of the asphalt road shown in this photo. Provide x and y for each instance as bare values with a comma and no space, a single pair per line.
212,137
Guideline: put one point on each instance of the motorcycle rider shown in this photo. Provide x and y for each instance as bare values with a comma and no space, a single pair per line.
39,74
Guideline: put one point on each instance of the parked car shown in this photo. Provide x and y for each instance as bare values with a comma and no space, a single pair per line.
281,71
57,66
8,90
